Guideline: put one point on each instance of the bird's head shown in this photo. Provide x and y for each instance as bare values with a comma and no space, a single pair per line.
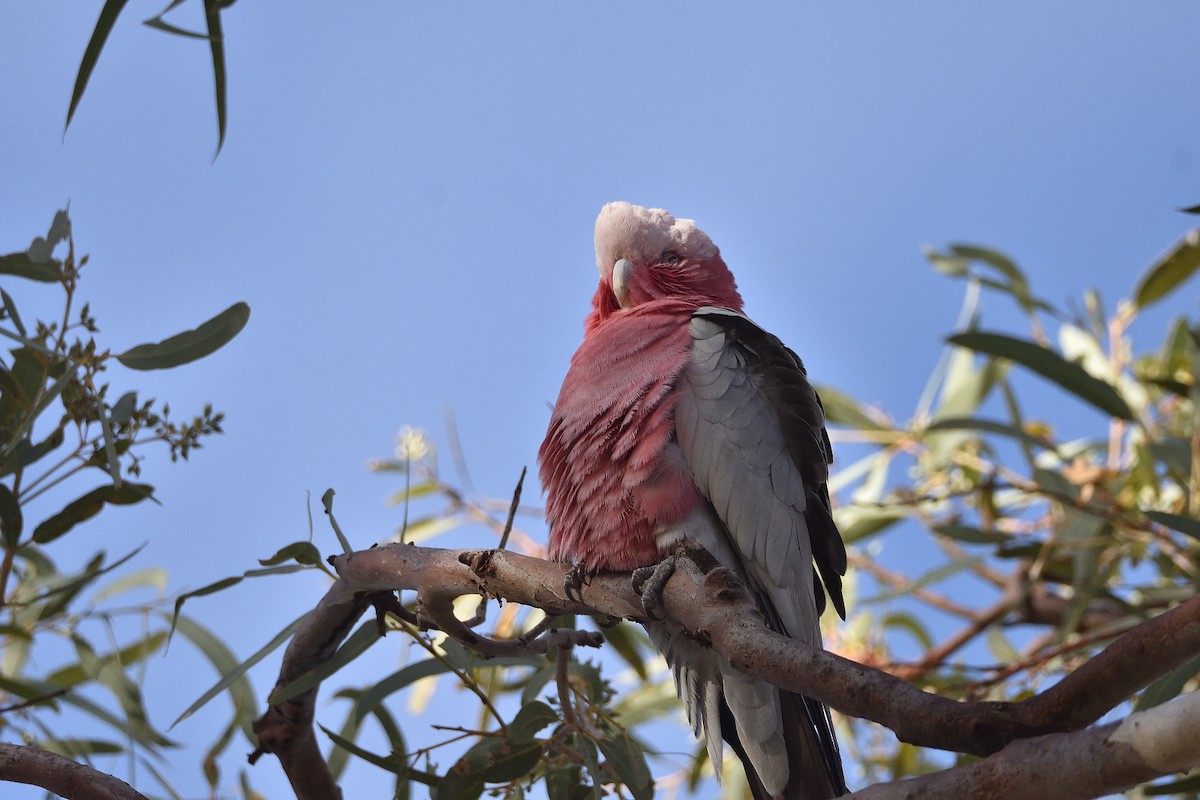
645,254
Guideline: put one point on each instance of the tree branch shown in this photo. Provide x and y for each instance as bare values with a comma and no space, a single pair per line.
63,776
729,621
1068,766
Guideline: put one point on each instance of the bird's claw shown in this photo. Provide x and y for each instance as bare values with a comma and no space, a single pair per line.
649,583
577,577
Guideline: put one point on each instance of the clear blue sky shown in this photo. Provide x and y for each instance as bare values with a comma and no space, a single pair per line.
406,196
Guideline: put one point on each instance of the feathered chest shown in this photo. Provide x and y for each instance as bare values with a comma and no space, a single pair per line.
609,466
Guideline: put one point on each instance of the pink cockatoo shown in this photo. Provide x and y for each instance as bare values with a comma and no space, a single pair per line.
680,419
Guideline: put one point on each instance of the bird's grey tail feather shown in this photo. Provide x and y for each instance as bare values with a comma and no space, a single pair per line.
815,760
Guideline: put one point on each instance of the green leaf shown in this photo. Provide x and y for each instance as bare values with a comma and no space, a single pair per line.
1001,648
22,266
1050,365
302,552
909,623
104,25
79,748
11,521
27,454
1184,787
858,522
972,535
211,588
991,426
76,674
237,673
1168,686
530,719
932,576
625,639
88,506
1169,271
216,41
512,760
189,345
224,661
398,680
151,577
464,781
10,308
628,761
389,764
355,645
1017,285
842,409
158,22
1184,525
327,501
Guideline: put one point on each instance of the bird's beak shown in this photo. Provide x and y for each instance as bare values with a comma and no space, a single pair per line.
622,272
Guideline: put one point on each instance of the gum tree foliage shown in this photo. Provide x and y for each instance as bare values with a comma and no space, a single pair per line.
1050,533
1049,537
68,437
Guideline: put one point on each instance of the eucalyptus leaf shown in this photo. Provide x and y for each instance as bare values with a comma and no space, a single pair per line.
11,520
104,26
1049,364
20,265
88,506
628,762
1169,271
189,345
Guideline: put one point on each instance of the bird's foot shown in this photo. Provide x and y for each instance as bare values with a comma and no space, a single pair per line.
649,583
577,578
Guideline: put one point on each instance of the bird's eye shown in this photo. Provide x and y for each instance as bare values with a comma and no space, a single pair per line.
668,257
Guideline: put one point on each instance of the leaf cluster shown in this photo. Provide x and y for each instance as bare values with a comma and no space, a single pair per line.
58,426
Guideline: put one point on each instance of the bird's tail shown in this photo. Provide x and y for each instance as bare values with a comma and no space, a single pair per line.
813,758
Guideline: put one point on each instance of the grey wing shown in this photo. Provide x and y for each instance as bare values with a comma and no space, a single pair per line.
751,430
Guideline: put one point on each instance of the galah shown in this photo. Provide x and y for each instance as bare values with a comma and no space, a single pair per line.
681,420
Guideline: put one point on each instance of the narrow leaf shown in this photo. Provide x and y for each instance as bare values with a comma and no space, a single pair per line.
972,535
10,308
388,763
629,763
21,265
189,345
355,645
411,673
11,521
327,501
991,426
216,40
1049,364
88,506
1184,525
224,661
1167,686
1169,271
104,26
232,677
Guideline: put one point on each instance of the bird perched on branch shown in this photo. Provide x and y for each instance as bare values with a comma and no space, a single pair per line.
681,420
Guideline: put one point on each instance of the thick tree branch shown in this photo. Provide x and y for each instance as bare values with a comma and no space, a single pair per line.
729,621
1068,766
63,776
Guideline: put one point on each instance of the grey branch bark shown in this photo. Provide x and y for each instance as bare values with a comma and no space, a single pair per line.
63,776
728,620
1068,766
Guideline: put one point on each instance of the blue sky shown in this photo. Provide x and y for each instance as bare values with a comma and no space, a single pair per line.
406,197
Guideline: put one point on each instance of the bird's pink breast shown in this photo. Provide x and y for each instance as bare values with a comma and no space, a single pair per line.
612,473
